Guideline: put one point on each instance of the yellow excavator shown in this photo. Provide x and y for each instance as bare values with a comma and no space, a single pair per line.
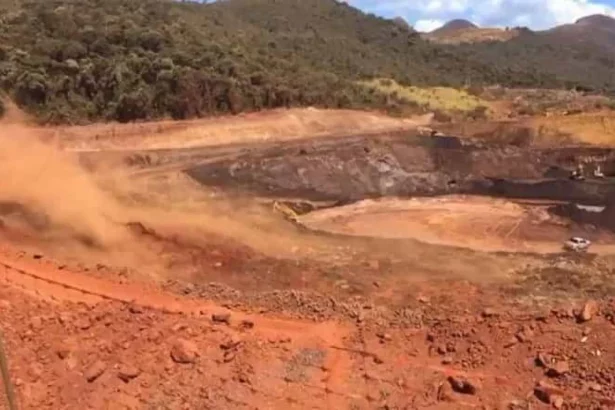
285,210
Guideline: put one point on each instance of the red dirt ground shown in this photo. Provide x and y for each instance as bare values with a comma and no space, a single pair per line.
76,341
89,333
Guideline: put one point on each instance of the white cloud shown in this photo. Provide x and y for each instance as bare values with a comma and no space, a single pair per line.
537,14
428,25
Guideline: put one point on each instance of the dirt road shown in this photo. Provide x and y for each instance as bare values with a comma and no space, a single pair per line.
263,127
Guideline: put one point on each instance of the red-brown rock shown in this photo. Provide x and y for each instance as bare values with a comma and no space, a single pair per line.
184,351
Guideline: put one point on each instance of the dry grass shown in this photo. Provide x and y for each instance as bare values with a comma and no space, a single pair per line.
436,98
473,35
596,128
276,125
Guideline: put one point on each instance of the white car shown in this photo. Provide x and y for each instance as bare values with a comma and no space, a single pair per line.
577,244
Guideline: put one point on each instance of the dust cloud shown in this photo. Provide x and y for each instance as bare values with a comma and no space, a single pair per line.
46,185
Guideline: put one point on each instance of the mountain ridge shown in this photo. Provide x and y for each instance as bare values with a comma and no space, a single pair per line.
594,34
594,20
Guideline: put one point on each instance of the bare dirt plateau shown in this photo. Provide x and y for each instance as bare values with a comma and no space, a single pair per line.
473,222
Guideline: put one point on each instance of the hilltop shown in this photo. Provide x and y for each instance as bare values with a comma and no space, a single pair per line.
463,31
454,26
596,21
143,59
596,31
582,54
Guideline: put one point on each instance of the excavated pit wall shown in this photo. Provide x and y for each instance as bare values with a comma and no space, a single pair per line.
354,169
348,169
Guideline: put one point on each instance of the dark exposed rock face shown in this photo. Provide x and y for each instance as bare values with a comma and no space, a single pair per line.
358,168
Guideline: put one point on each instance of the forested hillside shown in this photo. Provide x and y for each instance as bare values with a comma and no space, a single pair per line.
576,63
75,61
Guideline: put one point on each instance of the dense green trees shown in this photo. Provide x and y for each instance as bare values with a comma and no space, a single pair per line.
126,60
75,61
548,60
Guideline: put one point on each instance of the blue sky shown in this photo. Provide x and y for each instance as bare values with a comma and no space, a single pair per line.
426,15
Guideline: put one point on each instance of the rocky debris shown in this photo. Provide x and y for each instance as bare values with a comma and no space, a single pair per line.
36,322
384,337
178,327
424,299
243,377
588,312
246,324
445,393
557,402
511,342
525,335
542,316
229,356
83,323
564,313
558,369
36,371
595,387
135,309
184,352
126,373
461,385
221,318
71,363
548,393
231,343
188,288
372,397
63,352
543,360
95,370
490,312
518,405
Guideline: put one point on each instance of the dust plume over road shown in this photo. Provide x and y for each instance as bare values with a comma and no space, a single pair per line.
51,190
52,204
